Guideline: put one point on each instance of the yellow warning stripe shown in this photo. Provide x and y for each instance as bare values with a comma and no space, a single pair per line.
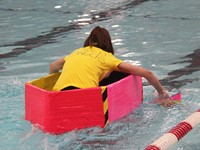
105,103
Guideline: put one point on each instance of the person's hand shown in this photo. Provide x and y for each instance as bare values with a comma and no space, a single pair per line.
164,100
163,95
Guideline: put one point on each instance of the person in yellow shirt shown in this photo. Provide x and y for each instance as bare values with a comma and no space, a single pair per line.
88,65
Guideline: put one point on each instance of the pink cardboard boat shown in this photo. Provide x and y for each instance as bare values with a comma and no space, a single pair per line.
63,111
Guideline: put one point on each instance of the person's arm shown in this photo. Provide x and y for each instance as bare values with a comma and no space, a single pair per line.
56,66
151,78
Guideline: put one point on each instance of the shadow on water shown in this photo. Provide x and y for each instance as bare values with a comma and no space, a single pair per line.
194,66
31,43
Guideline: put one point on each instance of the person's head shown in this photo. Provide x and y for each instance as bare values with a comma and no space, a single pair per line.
100,37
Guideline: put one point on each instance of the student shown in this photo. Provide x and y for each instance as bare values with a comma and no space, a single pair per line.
88,65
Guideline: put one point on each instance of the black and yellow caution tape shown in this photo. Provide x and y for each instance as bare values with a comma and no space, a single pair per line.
105,103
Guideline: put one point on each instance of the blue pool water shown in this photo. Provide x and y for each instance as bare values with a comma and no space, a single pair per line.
161,35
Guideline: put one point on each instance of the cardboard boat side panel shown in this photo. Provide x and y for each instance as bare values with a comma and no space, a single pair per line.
35,104
46,82
59,112
75,109
124,96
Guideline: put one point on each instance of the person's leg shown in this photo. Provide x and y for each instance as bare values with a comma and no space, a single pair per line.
69,88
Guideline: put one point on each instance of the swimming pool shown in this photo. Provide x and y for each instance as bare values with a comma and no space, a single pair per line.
161,35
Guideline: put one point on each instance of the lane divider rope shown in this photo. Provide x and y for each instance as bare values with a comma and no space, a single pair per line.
176,133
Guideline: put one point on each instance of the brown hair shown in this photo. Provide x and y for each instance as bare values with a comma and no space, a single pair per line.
100,37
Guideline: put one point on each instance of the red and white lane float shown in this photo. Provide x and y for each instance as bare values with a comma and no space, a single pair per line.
176,133
59,112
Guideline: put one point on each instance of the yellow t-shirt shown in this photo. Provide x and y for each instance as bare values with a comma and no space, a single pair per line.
86,67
